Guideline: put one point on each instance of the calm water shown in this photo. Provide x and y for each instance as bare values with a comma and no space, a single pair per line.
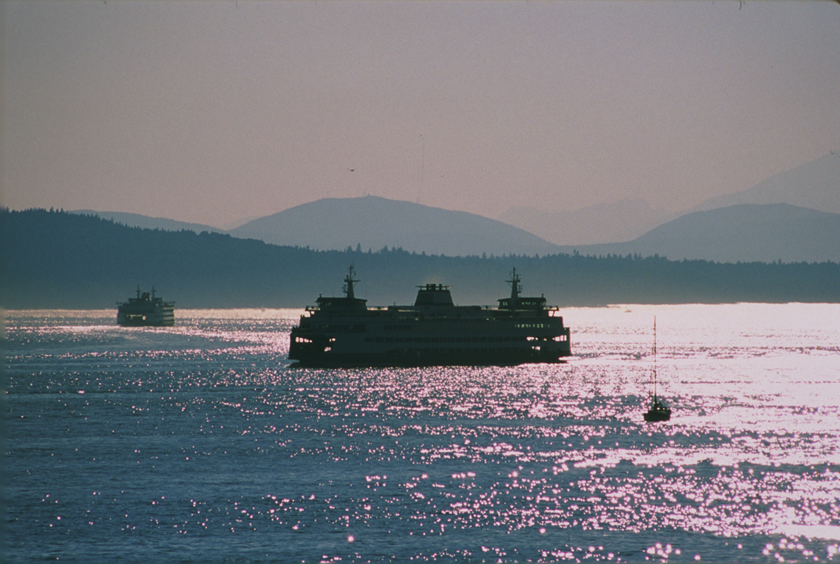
199,443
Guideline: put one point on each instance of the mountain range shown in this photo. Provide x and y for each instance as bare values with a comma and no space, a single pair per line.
741,233
792,216
53,259
814,185
367,223
372,222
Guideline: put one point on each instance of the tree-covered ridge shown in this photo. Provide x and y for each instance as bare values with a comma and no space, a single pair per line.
54,259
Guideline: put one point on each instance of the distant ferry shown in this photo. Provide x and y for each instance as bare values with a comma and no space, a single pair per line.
344,332
146,310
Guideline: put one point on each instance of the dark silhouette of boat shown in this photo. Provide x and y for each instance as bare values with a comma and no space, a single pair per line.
146,310
657,411
345,332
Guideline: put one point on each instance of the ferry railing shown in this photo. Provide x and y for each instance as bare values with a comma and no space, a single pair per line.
550,309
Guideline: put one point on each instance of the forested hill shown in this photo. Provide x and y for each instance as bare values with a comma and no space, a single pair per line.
54,259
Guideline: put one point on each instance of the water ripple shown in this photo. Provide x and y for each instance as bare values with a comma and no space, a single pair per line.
202,443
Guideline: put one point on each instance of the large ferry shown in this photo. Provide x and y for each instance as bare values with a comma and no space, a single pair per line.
146,310
345,332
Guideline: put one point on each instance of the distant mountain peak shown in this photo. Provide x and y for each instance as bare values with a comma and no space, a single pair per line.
740,233
374,222
814,185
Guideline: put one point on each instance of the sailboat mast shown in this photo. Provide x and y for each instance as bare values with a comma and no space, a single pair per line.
654,358
657,411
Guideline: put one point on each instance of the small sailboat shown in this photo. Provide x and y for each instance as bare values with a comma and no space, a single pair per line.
657,411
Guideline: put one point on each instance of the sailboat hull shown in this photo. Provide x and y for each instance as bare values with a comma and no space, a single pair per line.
658,415
657,411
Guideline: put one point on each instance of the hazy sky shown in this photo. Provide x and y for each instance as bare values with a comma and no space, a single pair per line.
215,111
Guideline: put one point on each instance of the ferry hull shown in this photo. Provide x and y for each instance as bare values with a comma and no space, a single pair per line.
146,310
345,332
390,338
407,358
155,319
